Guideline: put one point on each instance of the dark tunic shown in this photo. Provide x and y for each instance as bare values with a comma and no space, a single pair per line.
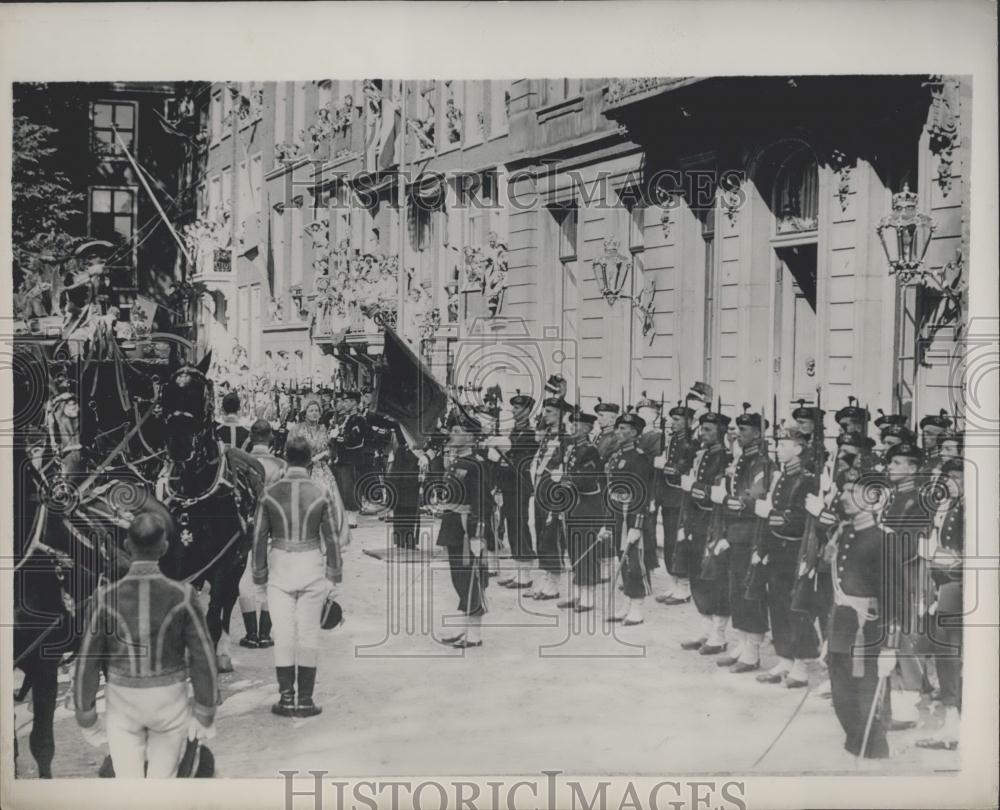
606,443
750,481
792,631
651,445
711,596
584,476
681,450
233,435
548,503
513,480
461,521
350,458
629,481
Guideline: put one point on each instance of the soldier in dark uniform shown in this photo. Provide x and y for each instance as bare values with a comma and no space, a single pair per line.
489,417
548,528
750,481
932,428
514,486
711,596
350,441
229,430
652,444
943,556
794,636
461,528
670,466
806,419
583,475
402,478
629,482
606,440
852,418
857,624
905,523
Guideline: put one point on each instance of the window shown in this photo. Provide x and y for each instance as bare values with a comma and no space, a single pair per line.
566,216
475,119
278,254
708,238
561,90
499,107
112,218
280,116
106,117
796,193
216,117
297,237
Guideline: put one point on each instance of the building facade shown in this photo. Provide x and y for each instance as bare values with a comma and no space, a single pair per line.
631,234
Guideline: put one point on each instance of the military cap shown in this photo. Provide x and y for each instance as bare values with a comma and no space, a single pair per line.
520,400
807,412
633,420
555,383
857,441
606,407
906,450
852,411
886,419
555,402
750,419
580,416
355,396
646,402
715,418
940,420
792,434
680,409
900,432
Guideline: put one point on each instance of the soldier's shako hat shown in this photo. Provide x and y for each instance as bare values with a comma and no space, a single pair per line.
520,400
606,407
807,412
791,434
646,402
900,432
884,419
853,412
715,418
555,402
750,419
579,416
554,384
906,450
633,420
939,420
680,409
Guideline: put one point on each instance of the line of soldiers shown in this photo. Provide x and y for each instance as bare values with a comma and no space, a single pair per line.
858,550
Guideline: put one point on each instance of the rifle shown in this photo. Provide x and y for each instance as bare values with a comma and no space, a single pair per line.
716,530
804,590
755,584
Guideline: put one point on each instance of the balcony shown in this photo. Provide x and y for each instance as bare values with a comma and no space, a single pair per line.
622,92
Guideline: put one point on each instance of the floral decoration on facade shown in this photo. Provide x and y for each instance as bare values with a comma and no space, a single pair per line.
285,151
205,235
620,89
354,289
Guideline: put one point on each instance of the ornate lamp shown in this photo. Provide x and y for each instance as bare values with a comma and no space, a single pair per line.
905,235
611,271
295,292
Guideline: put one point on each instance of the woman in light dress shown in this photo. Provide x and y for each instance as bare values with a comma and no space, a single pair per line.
319,441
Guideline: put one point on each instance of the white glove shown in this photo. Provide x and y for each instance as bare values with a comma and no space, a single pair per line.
604,533
687,481
95,735
633,537
762,508
814,504
557,475
886,663
755,559
501,443
660,462
721,546
718,493
196,731
476,547
681,535
825,482
423,463
493,455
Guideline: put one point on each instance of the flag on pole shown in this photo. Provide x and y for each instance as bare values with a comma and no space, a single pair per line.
385,153
407,391
144,313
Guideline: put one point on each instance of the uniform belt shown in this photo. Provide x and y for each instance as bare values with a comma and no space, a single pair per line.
147,681
294,545
786,539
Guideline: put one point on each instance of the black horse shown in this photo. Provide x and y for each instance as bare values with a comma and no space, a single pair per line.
73,502
212,491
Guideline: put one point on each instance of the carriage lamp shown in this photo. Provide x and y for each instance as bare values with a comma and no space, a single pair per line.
905,235
611,271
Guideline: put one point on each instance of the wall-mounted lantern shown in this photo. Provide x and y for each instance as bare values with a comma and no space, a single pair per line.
905,235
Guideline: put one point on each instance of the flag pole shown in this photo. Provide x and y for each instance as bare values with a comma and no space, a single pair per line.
401,205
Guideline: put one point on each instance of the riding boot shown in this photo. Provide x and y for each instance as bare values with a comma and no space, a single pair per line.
307,681
285,707
264,639
251,639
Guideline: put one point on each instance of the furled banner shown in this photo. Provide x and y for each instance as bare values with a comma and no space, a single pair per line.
407,391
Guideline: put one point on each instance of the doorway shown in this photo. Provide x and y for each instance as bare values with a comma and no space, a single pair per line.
796,337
